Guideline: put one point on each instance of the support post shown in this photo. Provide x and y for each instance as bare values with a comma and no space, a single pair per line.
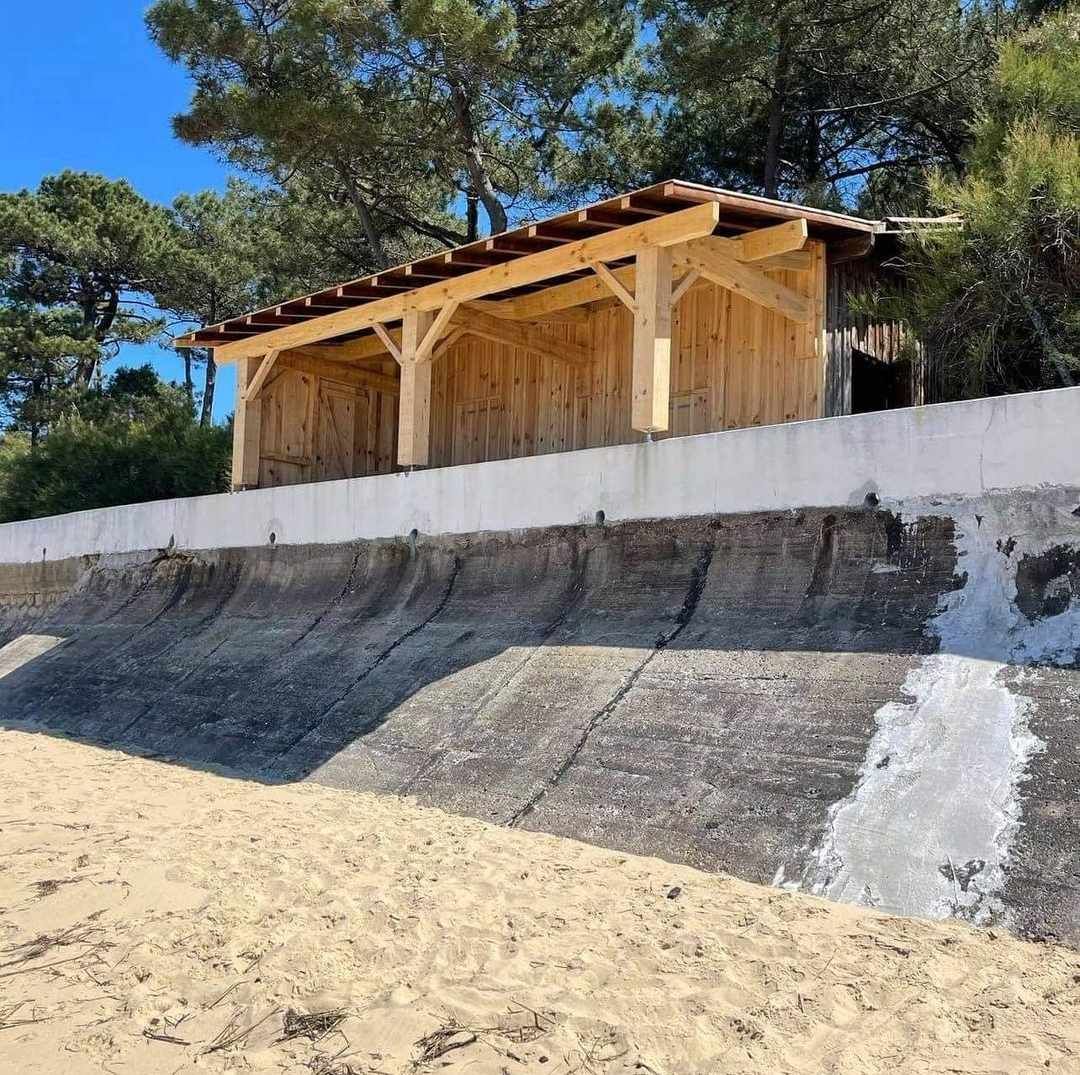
652,340
247,427
414,403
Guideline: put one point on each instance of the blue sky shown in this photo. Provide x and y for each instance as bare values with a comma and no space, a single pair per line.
83,87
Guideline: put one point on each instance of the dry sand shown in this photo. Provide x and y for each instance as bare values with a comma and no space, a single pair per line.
159,919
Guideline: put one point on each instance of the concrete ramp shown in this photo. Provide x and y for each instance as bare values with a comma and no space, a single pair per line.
840,655
881,705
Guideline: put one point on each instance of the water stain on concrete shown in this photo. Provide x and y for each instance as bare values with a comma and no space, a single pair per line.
932,832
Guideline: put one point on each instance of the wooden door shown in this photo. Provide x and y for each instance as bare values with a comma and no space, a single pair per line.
285,452
336,439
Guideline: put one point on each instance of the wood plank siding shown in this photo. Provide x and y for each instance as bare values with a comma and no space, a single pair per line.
734,364
873,365
320,421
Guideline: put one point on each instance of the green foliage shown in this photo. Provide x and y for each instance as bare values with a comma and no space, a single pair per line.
131,440
394,110
807,99
89,247
998,302
76,259
248,248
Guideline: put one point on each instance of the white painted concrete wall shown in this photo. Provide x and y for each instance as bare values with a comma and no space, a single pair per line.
952,449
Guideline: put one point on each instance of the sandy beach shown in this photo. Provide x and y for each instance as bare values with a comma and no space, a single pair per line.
158,919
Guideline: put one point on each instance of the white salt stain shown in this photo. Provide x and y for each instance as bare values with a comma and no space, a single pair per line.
927,830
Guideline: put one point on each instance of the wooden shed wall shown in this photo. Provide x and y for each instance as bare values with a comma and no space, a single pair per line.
319,421
869,366
734,364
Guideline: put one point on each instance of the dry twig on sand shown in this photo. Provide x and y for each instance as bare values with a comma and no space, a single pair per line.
154,1035
229,1035
7,1023
52,884
439,1042
312,1025
35,948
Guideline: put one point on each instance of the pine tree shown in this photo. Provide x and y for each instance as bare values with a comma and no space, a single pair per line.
997,302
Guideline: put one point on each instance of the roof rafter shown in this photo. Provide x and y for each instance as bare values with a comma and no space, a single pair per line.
668,230
737,214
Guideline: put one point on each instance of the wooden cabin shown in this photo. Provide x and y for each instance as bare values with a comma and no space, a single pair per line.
673,310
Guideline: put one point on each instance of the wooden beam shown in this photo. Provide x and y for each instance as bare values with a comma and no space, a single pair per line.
615,286
572,315
446,343
564,297
556,302
684,285
652,342
507,310
818,288
575,293
247,428
256,382
300,359
490,307
389,342
714,264
663,231
515,334
414,403
437,328
778,239
358,350
796,261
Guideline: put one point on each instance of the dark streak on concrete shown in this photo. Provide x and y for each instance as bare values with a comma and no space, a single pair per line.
1046,584
686,613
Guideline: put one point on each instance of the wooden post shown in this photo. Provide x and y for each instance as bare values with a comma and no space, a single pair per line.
818,280
652,340
247,427
414,403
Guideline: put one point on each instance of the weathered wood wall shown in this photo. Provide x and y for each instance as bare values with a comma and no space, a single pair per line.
734,364
869,367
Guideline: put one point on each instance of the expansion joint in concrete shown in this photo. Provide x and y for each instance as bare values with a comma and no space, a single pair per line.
383,654
600,717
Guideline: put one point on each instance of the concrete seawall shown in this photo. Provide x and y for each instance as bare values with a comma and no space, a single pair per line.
876,701
953,449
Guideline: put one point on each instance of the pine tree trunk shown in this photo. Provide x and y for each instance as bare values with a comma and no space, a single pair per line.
367,221
189,384
775,139
472,222
474,161
206,418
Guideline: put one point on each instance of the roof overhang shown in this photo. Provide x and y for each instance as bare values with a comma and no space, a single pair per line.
518,263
